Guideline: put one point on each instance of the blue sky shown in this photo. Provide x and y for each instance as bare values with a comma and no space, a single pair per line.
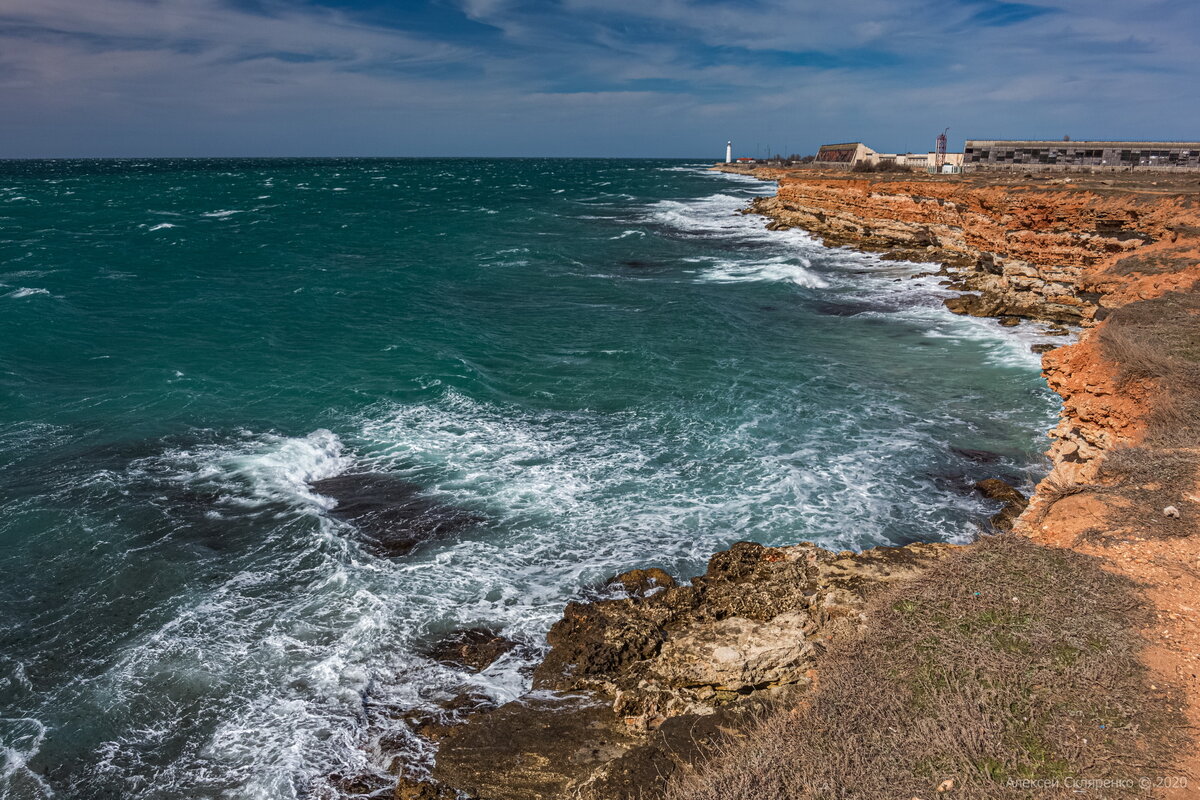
585,77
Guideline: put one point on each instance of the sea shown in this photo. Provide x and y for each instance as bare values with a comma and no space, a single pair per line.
586,365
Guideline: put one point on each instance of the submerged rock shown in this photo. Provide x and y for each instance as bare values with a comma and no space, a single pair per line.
391,515
979,456
473,648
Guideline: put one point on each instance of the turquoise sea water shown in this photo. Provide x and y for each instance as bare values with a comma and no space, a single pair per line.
600,361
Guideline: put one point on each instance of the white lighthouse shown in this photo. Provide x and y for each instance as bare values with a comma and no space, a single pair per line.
729,152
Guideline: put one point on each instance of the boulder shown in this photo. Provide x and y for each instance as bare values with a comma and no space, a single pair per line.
737,654
1014,502
996,489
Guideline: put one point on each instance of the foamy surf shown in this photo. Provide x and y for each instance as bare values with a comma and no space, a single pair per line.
27,292
780,269
232,635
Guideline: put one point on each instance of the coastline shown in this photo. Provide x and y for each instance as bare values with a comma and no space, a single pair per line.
653,679
1118,255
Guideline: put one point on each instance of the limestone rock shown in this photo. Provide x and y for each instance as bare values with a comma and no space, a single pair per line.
738,653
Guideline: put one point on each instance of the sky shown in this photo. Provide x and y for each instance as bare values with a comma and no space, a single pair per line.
627,78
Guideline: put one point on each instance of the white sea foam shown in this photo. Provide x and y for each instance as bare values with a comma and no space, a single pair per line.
162,226
27,292
285,467
627,234
20,740
312,634
779,269
224,214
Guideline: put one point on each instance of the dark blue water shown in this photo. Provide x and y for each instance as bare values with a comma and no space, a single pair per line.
596,364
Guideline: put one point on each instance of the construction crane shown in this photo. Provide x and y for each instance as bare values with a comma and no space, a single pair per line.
939,158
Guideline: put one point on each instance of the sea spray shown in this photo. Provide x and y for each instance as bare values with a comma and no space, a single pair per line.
603,362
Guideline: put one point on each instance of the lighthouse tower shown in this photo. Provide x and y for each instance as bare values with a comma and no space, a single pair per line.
729,152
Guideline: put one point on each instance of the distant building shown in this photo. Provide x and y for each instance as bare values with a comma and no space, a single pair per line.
847,154
983,153
852,154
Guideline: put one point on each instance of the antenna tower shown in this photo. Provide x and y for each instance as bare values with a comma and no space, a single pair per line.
939,158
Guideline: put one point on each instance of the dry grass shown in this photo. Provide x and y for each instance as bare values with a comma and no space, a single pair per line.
1053,489
1012,663
1158,341
1157,264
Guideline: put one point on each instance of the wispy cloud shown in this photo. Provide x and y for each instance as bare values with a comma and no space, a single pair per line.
625,77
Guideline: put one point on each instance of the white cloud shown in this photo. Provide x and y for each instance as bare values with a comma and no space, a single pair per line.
202,76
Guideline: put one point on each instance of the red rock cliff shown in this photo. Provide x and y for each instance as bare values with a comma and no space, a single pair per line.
1054,250
1121,257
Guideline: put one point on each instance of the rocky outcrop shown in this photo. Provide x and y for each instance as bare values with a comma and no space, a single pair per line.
636,683
753,621
1120,250
1020,251
653,675
1069,250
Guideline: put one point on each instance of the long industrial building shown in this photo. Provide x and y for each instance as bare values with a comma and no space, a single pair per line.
985,153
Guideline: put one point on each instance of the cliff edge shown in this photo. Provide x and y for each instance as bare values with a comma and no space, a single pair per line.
1118,255
1056,660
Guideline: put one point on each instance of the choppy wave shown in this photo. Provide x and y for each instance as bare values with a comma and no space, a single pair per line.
240,642
777,269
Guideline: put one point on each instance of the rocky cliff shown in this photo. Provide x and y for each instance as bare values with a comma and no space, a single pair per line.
653,677
1120,256
1065,250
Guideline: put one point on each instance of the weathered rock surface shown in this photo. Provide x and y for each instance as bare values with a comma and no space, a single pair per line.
635,684
1014,501
1058,254
752,621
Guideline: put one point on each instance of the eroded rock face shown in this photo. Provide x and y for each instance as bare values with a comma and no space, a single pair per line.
753,621
1021,251
635,684
737,654
531,749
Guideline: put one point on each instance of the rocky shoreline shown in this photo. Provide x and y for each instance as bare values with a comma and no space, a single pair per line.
1058,251
651,678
